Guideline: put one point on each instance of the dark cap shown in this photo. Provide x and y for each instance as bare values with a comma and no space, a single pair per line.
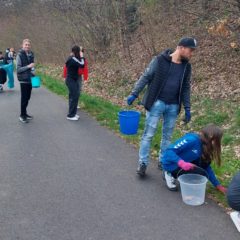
188,42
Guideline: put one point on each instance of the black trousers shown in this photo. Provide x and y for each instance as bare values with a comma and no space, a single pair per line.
74,87
233,193
26,89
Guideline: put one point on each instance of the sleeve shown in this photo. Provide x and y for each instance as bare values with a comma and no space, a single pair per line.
80,61
85,71
183,144
146,78
211,176
20,69
65,71
187,89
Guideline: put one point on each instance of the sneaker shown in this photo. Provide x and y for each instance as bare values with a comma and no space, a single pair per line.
77,116
78,107
72,118
170,181
141,169
23,119
29,117
235,216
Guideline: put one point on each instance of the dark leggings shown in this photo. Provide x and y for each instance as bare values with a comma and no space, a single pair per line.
74,87
26,89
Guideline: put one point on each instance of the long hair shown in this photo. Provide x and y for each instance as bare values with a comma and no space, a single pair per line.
76,51
211,137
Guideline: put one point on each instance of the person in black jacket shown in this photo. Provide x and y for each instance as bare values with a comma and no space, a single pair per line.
233,198
25,70
73,80
3,74
233,193
168,87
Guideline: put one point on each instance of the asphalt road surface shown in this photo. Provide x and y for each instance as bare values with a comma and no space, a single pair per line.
62,180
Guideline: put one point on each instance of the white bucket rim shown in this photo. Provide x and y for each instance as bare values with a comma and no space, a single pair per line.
192,184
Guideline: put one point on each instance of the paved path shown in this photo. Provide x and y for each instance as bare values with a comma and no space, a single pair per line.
62,180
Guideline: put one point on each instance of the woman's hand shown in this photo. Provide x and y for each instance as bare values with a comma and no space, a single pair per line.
186,166
31,65
81,54
222,189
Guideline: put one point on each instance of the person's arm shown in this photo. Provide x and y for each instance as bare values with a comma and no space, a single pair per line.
80,61
21,69
186,89
146,77
213,179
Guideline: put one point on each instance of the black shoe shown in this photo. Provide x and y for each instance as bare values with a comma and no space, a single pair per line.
29,117
23,119
160,166
141,169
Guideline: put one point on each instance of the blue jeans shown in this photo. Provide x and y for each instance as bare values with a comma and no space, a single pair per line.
169,113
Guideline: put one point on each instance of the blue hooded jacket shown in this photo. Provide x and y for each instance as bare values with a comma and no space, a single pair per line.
189,149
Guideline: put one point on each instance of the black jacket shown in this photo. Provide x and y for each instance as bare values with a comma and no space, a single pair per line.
24,73
73,64
155,77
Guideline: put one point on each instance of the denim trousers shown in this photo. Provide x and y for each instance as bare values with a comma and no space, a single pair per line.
160,110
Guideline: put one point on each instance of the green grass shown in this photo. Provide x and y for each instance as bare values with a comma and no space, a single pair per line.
223,113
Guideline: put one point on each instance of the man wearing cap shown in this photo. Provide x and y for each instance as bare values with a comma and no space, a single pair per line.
167,78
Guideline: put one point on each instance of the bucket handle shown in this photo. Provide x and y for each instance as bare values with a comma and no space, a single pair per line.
181,171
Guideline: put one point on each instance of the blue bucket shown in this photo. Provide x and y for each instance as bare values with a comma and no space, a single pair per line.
129,122
36,81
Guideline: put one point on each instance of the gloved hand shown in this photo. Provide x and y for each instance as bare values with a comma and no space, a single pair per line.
131,99
186,166
222,189
187,118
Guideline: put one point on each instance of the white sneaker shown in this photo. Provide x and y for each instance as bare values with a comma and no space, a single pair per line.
77,116
170,181
72,118
78,107
235,216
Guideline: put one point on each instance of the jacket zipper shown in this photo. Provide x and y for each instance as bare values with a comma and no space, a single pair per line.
181,84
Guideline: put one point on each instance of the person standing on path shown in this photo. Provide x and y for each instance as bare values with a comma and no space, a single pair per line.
25,70
3,74
168,80
74,81
233,198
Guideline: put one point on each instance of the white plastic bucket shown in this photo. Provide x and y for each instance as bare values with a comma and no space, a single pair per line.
193,188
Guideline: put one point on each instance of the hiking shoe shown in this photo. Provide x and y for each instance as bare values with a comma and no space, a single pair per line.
29,117
170,181
23,119
72,118
141,169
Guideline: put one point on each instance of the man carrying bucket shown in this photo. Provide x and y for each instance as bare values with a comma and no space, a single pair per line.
168,80
25,66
